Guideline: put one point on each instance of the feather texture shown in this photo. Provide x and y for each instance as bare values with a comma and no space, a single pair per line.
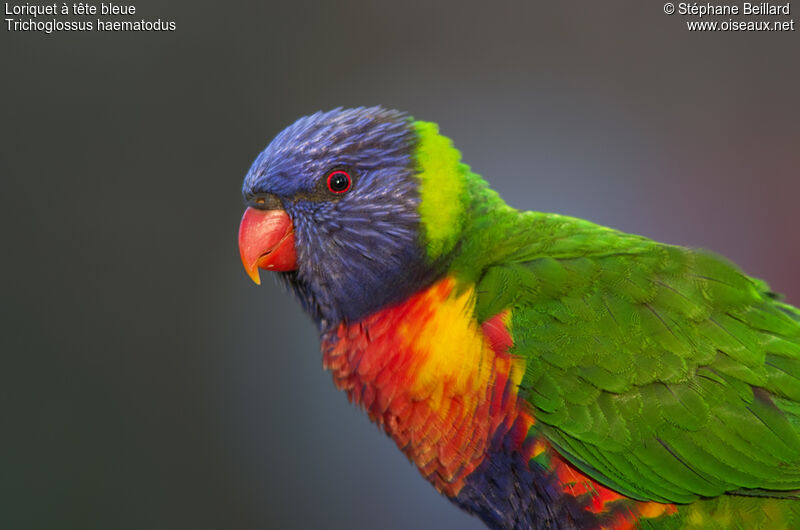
541,371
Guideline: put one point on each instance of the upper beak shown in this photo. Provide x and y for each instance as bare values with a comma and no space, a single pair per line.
266,241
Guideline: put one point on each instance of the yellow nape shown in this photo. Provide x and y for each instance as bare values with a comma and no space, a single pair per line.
441,188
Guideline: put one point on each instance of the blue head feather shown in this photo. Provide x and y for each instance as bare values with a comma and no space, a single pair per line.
361,250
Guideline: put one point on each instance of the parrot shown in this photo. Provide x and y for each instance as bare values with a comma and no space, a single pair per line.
540,370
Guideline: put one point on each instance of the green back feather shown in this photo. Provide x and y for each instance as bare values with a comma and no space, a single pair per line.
663,372
660,371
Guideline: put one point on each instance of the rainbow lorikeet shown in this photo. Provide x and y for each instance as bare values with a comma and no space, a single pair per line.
541,371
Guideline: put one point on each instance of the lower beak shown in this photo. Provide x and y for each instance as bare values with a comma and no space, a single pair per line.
266,241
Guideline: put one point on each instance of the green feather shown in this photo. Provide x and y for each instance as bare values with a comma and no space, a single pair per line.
662,372
639,355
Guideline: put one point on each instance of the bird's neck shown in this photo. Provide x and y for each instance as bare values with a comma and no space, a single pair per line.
446,389
441,385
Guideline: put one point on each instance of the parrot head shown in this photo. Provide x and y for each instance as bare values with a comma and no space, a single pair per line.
354,209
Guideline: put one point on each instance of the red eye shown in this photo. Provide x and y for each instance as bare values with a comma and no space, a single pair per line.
338,181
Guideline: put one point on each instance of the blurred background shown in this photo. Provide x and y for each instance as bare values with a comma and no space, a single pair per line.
146,383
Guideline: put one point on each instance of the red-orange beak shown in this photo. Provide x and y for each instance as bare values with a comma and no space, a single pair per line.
266,241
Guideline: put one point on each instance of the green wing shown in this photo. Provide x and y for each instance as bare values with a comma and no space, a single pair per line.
660,371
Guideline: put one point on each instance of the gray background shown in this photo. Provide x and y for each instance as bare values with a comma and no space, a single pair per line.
147,383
